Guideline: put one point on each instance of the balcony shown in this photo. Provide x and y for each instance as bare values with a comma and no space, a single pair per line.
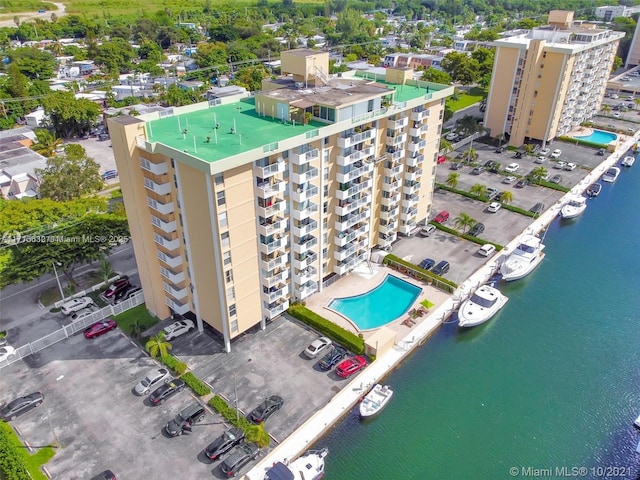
172,276
275,293
305,212
275,277
345,252
306,289
347,237
391,200
304,176
277,206
397,140
417,131
386,240
415,147
267,189
156,168
169,244
396,156
353,189
275,309
268,171
354,173
177,307
342,268
307,274
349,206
353,157
390,170
350,220
304,158
167,227
414,175
389,228
278,244
413,187
171,260
178,293
414,161
272,226
305,244
389,214
305,260
163,208
159,188
397,124
419,115
411,200
351,140
273,261
391,186
301,195
304,227
409,214
407,228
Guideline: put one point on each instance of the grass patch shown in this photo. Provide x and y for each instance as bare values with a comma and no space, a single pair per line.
26,6
466,99
51,295
128,319
16,458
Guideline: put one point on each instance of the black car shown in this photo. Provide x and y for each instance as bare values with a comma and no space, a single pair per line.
488,163
238,458
523,182
224,443
126,294
500,149
165,391
103,136
538,208
556,179
601,152
518,155
266,409
495,167
441,268
21,405
427,263
332,358
185,420
106,475
456,166
478,170
477,229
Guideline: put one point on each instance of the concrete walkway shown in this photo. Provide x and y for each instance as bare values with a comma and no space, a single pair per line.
303,438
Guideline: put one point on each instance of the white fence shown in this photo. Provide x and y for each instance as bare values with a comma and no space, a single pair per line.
73,328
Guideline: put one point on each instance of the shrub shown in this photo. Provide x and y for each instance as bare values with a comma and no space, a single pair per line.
174,364
577,141
447,188
194,383
254,433
422,274
328,328
12,466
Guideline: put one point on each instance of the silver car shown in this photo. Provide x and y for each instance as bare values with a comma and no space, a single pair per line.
153,378
318,346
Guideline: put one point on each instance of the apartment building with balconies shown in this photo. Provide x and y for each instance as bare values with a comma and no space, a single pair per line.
241,205
549,80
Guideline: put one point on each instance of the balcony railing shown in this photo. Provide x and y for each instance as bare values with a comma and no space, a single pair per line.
343,253
353,157
305,260
389,228
167,227
414,161
176,306
411,200
407,228
304,177
304,227
386,240
306,289
349,206
343,267
306,157
271,278
172,276
413,176
396,156
419,116
354,173
164,208
156,168
389,214
268,189
305,244
299,195
278,244
278,206
307,274
417,131
169,244
276,225
391,171
353,190
179,293
390,201
411,189
409,214
269,170
305,212
171,260
159,188
273,261
396,124
351,220
275,293
351,140
397,140
273,310
391,186
416,146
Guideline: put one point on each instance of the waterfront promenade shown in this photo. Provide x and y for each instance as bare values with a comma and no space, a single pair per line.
343,402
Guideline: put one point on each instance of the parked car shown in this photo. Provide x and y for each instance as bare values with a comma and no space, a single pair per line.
177,328
427,230
332,358
492,193
477,229
509,179
103,136
487,250
21,405
441,268
116,287
602,152
456,165
126,294
316,347
512,168
166,391
427,263
478,170
538,208
100,328
556,153
238,458
154,377
540,159
7,352
110,175
560,165
350,366
267,408
225,442
451,136
570,167
495,167
442,217
185,419
523,182
85,312
494,207
76,304
500,149
106,475
556,179
545,151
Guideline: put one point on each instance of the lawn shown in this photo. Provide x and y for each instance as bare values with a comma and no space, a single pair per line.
466,99
15,447
127,320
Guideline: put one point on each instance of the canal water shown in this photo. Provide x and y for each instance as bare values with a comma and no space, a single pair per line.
547,388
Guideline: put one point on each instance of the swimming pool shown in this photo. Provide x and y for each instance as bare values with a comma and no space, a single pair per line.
388,301
598,136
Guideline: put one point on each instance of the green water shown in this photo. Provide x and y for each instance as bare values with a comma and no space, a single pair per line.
551,381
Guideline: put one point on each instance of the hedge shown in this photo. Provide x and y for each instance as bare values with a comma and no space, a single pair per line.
335,332
473,196
174,364
471,238
15,462
577,141
255,433
198,386
422,273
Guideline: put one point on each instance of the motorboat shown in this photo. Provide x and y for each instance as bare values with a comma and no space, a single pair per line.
309,466
611,175
527,256
375,400
637,422
483,304
574,207
594,189
628,161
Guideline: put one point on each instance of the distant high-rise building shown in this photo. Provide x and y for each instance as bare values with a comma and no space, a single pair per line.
548,81
242,204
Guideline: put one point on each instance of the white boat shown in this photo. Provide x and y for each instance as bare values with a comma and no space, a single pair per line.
574,207
527,256
483,304
628,161
309,466
611,175
594,189
375,400
637,422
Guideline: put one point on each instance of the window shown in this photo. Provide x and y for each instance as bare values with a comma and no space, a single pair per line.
226,258
221,198
234,326
370,106
326,140
231,293
325,173
325,237
219,179
325,207
325,253
228,276
222,220
232,310
225,239
535,93
326,190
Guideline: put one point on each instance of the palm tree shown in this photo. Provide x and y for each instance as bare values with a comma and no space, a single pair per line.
463,221
606,109
136,329
478,189
506,197
445,146
158,346
637,101
46,144
468,125
105,271
528,148
452,180
538,174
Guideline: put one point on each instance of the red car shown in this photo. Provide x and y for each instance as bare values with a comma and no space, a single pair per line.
442,217
99,328
117,287
350,366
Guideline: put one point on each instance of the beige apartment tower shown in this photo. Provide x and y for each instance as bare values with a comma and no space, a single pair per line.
239,206
548,81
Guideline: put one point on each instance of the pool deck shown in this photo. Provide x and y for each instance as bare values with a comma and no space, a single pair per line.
407,339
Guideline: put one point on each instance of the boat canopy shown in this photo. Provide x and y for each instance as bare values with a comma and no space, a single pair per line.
483,301
279,472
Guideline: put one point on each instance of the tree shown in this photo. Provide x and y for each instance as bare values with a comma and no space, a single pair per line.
116,55
463,221
528,148
617,63
470,155
105,271
434,75
258,435
33,62
157,346
70,175
250,77
537,174
47,143
606,109
452,179
70,116
478,189
506,197
445,146
211,54
636,102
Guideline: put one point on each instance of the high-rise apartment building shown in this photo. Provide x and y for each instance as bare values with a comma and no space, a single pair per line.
548,81
239,206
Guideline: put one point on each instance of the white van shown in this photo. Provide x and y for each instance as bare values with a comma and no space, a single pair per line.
487,250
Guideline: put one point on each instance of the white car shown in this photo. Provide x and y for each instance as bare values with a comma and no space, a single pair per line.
545,151
177,328
560,164
556,153
153,378
615,95
85,312
512,168
508,179
494,207
569,166
451,136
487,250
540,159
7,352
76,304
616,114
427,230
318,346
